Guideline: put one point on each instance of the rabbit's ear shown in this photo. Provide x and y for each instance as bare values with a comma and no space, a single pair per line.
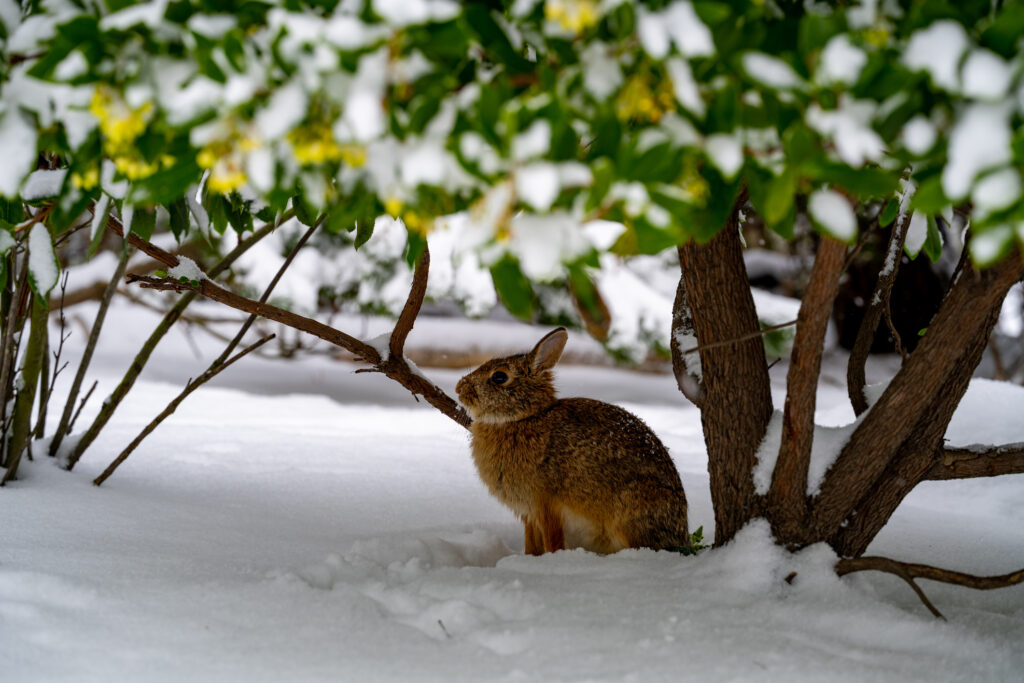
549,349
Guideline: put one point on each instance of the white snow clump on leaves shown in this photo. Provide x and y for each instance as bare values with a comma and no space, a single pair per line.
937,50
841,62
979,141
771,71
832,212
186,268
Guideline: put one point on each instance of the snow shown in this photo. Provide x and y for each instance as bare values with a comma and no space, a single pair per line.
771,71
986,75
18,141
42,263
980,140
937,50
186,268
676,24
996,191
832,211
537,184
849,127
533,142
840,62
298,521
43,184
685,86
917,233
918,135
602,74
725,152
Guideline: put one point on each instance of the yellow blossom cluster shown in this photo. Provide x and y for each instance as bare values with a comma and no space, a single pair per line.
575,16
120,126
395,207
642,101
315,144
693,184
225,161
86,180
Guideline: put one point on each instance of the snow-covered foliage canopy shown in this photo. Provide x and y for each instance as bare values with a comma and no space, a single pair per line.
527,119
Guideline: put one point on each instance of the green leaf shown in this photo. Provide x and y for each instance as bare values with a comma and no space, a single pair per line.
513,288
305,213
364,231
415,244
179,218
889,213
143,222
773,197
868,182
929,197
933,242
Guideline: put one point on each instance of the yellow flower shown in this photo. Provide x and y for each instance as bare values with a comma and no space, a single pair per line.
575,16
877,36
415,222
133,167
227,179
393,206
353,155
638,102
87,180
314,144
119,123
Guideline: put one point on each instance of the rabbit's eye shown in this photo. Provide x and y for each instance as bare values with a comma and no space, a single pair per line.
499,377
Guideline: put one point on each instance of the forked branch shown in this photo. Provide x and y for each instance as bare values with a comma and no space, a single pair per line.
877,308
395,366
909,571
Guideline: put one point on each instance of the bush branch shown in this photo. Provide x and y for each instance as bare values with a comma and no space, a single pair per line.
963,463
909,571
191,386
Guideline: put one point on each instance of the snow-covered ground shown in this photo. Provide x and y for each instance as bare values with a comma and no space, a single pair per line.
296,521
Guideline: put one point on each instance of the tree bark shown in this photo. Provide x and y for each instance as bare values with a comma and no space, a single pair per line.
788,495
897,442
737,401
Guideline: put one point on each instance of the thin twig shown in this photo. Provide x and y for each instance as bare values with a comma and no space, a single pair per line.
81,404
142,357
192,385
90,346
909,571
742,338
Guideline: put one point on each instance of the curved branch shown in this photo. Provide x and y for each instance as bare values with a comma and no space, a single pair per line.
413,303
909,571
879,305
394,367
963,463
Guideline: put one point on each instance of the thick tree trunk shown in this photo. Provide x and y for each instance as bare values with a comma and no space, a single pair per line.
736,400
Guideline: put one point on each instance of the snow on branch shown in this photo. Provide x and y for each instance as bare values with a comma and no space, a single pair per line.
395,366
967,463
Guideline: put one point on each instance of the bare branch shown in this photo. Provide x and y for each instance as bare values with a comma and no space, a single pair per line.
742,338
191,386
395,368
63,427
407,319
879,304
963,463
142,357
909,571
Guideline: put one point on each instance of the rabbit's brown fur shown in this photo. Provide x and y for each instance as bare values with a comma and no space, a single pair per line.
579,473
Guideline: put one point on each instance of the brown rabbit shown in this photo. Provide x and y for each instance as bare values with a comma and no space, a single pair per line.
579,473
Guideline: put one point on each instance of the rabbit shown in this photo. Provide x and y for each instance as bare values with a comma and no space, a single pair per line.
579,473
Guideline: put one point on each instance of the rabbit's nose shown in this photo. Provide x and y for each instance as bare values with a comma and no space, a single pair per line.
463,389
